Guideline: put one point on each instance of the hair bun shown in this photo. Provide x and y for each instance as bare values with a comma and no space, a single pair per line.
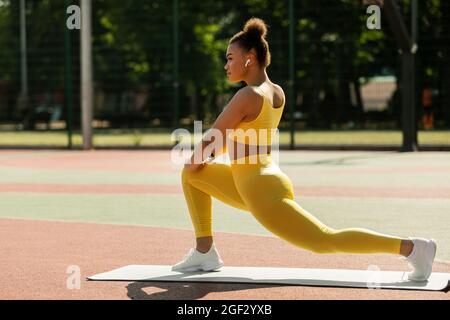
256,27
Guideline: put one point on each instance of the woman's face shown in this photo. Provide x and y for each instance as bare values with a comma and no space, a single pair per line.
235,67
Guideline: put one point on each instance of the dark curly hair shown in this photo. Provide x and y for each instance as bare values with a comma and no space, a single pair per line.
254,36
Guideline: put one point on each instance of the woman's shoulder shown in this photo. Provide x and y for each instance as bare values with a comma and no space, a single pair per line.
278,94
255,95
252,94
278,89
250,91
245,100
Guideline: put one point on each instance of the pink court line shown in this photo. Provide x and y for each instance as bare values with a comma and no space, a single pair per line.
160,162
311,191
155,165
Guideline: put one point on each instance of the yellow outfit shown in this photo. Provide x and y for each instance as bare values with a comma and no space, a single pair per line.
261,188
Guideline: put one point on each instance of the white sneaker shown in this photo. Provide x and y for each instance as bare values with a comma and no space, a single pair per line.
197,261
421,259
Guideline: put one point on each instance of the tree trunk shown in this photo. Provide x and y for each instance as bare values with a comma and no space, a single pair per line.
316,71
445,71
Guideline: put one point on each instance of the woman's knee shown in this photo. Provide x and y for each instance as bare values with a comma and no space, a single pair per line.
326,244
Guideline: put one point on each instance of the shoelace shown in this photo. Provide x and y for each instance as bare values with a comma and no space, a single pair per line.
188,257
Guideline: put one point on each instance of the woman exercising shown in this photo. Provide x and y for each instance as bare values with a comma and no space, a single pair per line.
253,181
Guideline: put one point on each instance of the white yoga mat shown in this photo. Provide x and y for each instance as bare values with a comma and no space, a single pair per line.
290,276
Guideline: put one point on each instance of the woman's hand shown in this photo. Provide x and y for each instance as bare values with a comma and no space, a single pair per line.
190,165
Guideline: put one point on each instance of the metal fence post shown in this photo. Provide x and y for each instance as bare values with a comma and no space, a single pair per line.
69,96
291,98
23,62
176,85
86,73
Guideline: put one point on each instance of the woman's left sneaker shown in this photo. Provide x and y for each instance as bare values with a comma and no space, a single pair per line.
197,261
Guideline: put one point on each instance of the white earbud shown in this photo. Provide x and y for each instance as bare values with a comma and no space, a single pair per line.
247,62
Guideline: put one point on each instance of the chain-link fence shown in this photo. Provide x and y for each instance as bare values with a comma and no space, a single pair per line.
158,65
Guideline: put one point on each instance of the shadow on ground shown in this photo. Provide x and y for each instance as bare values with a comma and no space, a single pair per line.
185,291
198,290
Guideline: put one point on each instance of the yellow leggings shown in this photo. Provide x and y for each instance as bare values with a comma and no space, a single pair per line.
267,193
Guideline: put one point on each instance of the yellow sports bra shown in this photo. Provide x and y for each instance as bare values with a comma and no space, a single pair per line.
260,130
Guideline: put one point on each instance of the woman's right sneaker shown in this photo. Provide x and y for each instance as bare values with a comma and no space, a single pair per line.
421,258
197,261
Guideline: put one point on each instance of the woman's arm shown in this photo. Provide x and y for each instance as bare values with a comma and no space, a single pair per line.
215,140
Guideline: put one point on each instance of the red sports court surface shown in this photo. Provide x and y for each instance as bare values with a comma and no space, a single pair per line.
37,251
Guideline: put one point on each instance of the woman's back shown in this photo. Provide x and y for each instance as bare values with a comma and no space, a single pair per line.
258,127
274,93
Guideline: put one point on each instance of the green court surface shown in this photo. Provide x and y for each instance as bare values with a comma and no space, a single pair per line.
403,194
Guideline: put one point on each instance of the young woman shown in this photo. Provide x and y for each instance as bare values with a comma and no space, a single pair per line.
254,182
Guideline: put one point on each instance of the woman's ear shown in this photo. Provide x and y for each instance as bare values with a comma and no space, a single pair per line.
251,57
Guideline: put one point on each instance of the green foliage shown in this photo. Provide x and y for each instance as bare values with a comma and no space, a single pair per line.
8,58
133,47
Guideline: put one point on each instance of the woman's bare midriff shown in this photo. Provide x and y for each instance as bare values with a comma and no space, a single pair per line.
241,150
